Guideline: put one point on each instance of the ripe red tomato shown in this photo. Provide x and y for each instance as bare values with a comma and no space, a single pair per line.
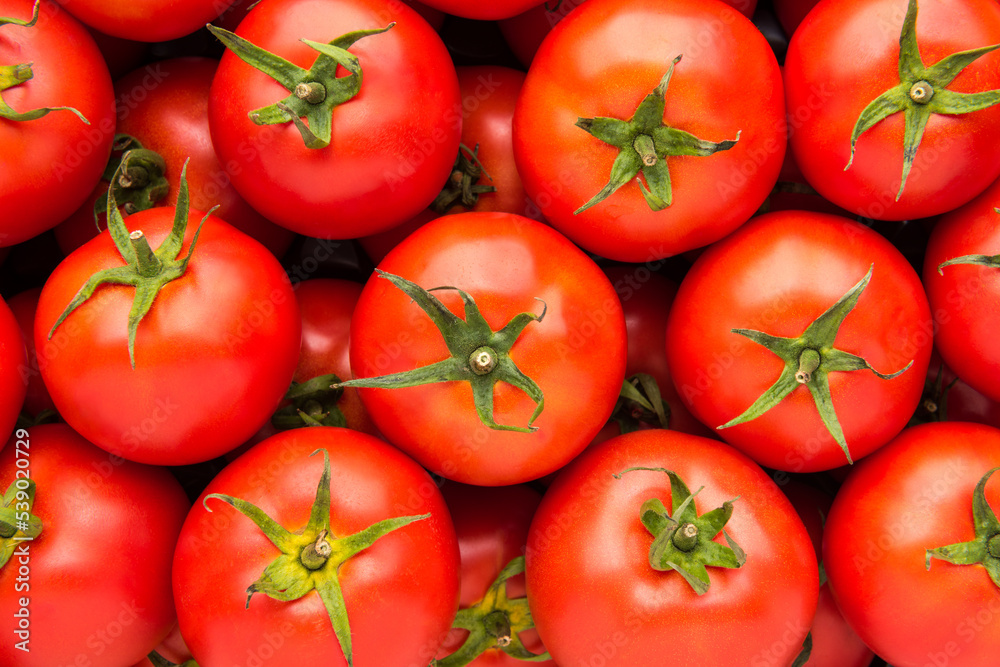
50,164
524,32
327,306
913,495
962,284
510,266
36,398
646,301
492,527
392,146
406,581
834,643
14,370
597,600
599,67
147,20
844,56
212,358
164,106
767,284
94,586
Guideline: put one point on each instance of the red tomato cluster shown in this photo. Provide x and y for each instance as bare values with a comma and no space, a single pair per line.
604,333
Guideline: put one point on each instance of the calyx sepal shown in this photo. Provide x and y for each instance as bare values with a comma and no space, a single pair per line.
17,523
14,75
147,270
683,540
495,622
644,143
310,558
314,93
921,92
985,548
480,356
809,359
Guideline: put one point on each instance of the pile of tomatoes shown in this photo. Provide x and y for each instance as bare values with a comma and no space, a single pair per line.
399,334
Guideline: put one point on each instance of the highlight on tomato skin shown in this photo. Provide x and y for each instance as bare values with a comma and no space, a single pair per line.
595,544
290,524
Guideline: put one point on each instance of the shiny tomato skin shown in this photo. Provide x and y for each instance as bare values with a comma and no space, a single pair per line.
327,306
594,595
489,95
491,523
834,643
36,399
59,158
213,356
98,584
525,31
146,20
508,264
14,370
602,60
842,57
777,274
646,301
407,581
963,297
392,146
912,495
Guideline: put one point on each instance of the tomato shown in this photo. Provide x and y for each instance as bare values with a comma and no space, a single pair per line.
36,398
164,105
492,527
59,156
766,285
571,345
962,285
597,600
13,370
845,55
790,13
646,301
914,495
525,31
704,175
947,398
400,593
327,306
93,587
392,146
834,643
210,360
148,20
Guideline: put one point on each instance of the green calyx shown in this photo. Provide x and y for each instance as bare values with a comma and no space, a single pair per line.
146,270
921,92
682,539
480,356
158,660
985,548
310,558
644,143
640,402
136,177
312,403
17,523
314,93
989,261
463,186
14,75
809,359
933,405
495,622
